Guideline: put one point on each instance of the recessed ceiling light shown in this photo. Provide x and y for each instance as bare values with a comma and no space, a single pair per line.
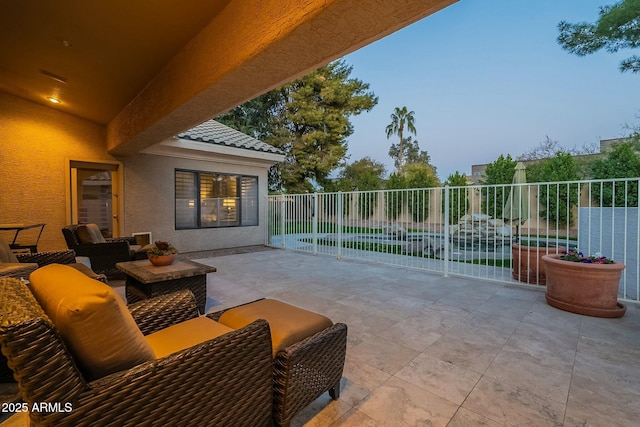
54,100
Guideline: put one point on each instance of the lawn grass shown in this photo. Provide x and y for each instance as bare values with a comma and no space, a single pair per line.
323,227
398,250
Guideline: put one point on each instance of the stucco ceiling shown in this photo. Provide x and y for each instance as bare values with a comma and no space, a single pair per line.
150,69
105,51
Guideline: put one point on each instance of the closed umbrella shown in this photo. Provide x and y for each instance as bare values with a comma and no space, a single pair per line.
516,210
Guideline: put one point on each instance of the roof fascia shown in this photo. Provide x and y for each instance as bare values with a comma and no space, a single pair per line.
185,149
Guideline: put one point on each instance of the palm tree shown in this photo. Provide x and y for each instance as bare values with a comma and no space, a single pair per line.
399,119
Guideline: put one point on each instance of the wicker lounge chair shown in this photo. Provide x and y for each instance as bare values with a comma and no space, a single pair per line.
223,381
103,254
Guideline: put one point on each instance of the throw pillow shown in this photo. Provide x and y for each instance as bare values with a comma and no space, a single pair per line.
89,233
92,319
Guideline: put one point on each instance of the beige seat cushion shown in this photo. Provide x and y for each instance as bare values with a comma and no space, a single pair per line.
289,324
184,335
92,319
89,233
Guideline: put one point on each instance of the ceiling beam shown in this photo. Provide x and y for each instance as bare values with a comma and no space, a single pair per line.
250,47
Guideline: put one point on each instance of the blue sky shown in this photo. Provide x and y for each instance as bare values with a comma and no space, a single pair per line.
487,77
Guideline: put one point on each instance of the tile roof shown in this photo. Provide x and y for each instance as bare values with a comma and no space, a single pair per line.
212,132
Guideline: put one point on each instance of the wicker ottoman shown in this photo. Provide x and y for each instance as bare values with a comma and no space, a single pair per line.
308,352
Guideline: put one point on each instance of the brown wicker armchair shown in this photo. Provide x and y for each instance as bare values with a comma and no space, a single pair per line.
223,381
103,255
21,265
67,257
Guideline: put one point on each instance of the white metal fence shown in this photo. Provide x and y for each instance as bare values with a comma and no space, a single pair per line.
467,230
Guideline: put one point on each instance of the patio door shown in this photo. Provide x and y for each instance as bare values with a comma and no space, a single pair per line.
94,195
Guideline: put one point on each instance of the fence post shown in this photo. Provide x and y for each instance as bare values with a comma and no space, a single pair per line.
283,222
446,230
314,223
340,209
267,222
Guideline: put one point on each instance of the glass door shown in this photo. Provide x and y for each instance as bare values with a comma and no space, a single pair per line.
94,196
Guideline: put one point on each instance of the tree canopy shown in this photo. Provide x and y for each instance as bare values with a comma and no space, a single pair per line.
621,162
556,200
408,153
500,171
618,27
364,175
458,198
309,120
550,147
401,118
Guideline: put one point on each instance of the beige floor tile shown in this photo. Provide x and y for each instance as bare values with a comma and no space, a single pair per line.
355,418
383,355
553,337
360,379
584,416
416,333
549,317
486,326
398,402
530,374
467,418
507,306
513,406
473,353
619,353
606,389
440,377
322,412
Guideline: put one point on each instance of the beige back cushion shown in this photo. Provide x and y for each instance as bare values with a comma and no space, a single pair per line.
89,233
92,319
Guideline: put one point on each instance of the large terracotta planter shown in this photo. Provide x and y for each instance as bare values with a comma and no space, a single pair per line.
589,289
527,262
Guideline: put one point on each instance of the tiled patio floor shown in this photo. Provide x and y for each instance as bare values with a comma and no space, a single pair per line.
428,350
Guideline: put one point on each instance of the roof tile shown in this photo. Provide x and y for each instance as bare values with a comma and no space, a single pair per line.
212,132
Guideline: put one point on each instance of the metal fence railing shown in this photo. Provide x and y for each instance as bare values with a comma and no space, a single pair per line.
470,230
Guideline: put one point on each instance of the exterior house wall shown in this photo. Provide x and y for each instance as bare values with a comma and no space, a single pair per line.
36,143
36,146
150,202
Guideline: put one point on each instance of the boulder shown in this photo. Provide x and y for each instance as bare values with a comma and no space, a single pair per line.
395,230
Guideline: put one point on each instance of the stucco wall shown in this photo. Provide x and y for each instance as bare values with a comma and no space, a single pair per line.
149,182
35,143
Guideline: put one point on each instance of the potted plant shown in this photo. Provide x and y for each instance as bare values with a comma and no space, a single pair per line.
584,284
527,260
162,253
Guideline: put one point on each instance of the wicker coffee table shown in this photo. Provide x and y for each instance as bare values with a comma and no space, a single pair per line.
145,280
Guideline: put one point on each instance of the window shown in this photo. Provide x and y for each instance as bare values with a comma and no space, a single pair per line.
209,199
